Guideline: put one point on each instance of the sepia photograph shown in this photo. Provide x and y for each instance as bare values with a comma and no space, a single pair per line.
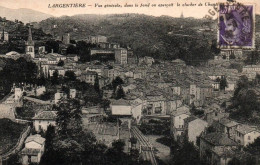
120,82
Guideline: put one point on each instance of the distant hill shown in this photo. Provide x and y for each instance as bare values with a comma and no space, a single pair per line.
24,15
161,37
147,35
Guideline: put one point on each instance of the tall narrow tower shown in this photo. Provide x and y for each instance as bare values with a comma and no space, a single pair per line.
29,45
3,35
182,16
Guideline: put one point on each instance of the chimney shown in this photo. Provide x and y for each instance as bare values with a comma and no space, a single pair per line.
51,50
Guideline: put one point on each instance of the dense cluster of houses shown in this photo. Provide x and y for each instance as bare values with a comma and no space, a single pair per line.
218,146
163,89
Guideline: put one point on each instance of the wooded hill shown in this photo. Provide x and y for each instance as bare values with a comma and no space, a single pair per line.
161,37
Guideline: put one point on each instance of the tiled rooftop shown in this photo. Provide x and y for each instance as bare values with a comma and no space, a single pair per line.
46,115
36,138
219,139
120,102
181,110
228,123
245,129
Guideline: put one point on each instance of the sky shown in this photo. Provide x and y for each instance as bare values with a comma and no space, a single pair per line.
188,11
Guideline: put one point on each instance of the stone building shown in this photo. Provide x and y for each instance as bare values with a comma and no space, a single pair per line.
29,44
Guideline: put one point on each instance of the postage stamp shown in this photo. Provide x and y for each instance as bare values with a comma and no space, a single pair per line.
236,26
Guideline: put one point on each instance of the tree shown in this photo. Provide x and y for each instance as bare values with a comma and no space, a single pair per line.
253,58
232,56
244,160
133,141
50,135
254,147
105,104
118,145
72,50
224,105
69,118
55,78
28,71
242,83
257,78
70,75
63,119
95,154
76,120
120,93
185,154
49,153
245,101
211,129
41,80
14,159
117,81
223,83
52,46
115,154
17,71
234,161
96,85
134,153
61,63
83,51
68,151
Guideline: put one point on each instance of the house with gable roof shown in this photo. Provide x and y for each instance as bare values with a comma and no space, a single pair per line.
177,121
214,145
155,102
33,150
45,118
88,77
194,126
121,107
227,126
172,103
245,134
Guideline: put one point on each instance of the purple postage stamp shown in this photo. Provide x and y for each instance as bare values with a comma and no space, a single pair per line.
236,26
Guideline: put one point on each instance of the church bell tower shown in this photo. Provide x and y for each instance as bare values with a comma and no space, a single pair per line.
29,45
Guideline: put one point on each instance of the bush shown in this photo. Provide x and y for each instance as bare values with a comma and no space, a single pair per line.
165,140
154,127
46,96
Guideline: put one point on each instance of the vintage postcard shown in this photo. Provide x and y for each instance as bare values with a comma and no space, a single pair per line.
120,82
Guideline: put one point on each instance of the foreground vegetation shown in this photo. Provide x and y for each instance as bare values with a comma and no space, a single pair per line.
9,134
72,144
155,127
245,104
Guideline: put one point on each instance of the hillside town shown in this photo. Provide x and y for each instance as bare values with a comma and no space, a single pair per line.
112,102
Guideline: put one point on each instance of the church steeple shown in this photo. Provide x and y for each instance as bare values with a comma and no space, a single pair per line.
30,41
29,49
182,16
3,35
